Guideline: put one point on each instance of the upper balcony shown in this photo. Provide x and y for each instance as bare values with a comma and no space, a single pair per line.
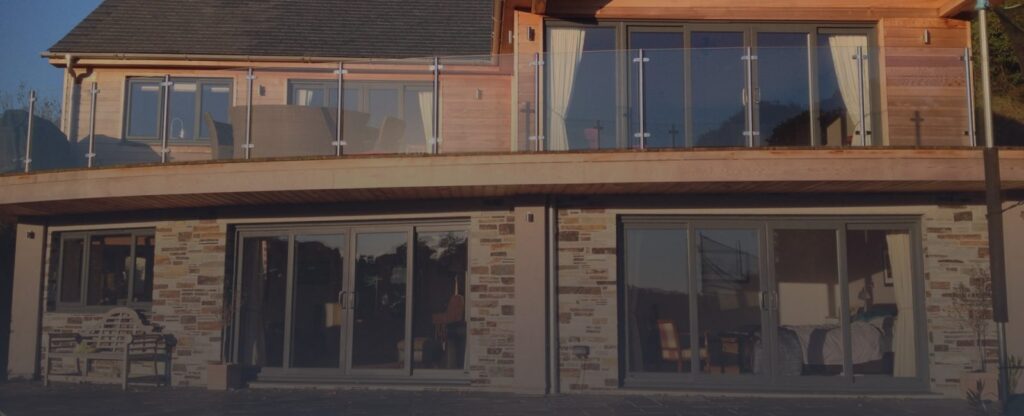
716,96
831,102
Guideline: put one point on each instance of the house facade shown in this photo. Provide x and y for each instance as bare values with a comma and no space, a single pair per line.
528,196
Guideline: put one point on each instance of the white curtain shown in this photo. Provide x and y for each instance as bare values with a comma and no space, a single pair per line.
304,97
426,99
903,343
844,50
566,53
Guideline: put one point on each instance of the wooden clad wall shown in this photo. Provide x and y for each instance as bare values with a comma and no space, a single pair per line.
924,86
475,105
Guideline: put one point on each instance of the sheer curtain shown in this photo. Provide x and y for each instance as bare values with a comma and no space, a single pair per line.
303,97
566,53
426,99
843,49
903,343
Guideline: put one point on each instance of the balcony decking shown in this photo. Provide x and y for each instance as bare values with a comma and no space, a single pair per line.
389,178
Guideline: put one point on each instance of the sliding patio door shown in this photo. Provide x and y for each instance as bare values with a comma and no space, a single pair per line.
352,301
810,303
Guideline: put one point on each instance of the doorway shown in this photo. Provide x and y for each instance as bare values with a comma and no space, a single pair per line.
352,301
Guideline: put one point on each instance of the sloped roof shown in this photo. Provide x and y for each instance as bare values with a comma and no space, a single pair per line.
292,28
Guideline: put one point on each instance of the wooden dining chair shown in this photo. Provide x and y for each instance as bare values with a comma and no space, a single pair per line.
672,349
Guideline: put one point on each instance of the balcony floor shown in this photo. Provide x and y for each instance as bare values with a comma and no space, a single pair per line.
420,177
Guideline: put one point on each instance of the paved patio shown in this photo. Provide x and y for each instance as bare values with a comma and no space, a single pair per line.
19,398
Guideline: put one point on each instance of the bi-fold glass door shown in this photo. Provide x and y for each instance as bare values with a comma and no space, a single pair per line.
351,301
810,304
738,86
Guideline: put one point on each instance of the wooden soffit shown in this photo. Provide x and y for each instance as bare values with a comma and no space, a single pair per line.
805,10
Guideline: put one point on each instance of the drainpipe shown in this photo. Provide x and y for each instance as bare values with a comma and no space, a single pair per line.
65,116
994,202
552,289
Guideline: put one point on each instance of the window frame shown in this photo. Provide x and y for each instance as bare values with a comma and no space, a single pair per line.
623,29
86,236
766,224
200,82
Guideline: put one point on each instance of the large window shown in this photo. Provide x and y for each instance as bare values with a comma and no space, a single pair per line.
817,301
379,116
729,85
109,268
338,300
191,101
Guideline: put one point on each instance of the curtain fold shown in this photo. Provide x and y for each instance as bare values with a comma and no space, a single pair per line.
303,97
903,343
426,99
566,54
843,49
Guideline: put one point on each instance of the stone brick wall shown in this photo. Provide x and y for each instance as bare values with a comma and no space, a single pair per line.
955,241
491,299
587,299
188,294
188,287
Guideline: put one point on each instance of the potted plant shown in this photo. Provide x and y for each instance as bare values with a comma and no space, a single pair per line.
972,306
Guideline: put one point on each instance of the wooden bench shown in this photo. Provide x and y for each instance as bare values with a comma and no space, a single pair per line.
120,336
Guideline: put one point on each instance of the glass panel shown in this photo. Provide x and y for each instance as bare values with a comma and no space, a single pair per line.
810,338
316,311
729,312
71,270
144,111
439,301
664,92
838,89
658,300
783,82
264,285
182,118
109,266
418,120
881,292
142,285
351,97
216,102
719,78
581,93
378,333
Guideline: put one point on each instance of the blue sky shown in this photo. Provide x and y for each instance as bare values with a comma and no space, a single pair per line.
28,27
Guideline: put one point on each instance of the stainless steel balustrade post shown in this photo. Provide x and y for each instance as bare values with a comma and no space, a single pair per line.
748,96
861,92
435,125
641,61
972,129
31,126
164,128
91,155
250,77
538,136
339,140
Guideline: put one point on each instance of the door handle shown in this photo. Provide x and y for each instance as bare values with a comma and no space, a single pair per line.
775,300
762,302
341,299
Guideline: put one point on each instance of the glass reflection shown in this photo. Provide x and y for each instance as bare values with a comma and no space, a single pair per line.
439,302
719,79
264,285
316,310
658,300
581,76
810,337
784,109
729,312
381,278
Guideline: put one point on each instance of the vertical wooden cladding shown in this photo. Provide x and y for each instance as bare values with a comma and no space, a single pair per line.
924,86
475,103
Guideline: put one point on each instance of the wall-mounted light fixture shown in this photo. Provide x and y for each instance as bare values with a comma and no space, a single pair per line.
531,33
927,37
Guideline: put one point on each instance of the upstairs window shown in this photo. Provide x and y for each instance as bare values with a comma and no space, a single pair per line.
190,101
109,268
